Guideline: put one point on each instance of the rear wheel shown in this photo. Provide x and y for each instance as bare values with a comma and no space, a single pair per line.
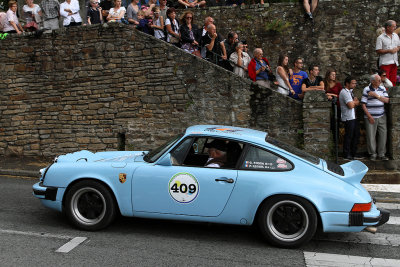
90,205
287,221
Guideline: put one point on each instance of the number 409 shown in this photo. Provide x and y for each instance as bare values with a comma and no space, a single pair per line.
183,188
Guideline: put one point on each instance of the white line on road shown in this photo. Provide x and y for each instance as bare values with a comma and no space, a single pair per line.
71,245
14,232
392,188
326,259
362,238
394,220
388,206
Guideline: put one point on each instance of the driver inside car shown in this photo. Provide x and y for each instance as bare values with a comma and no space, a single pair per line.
216,153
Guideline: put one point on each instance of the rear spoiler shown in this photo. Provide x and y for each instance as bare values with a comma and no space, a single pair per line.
354,171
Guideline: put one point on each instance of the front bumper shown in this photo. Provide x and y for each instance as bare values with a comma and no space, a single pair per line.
358,218
44,192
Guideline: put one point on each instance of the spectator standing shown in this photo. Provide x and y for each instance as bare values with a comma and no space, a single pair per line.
385,81
314,81
106,5
235,3
192,3
282,75
70,11
51,13
203,31
172,26
189,34
148,9
215,49
132,11
240,60
332,87
387,46
12,24
163,9
158,24
348,104
94,15
309,7
297,79
373,100
32,15
230,44
259,68
144,24
117,12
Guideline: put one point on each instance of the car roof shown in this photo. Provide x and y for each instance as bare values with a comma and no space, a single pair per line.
228,132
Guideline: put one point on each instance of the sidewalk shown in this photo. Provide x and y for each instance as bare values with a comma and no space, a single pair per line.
379,172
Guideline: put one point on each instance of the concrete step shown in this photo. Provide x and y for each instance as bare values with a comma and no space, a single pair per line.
381,177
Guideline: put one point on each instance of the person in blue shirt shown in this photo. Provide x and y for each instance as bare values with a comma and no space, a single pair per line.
297,78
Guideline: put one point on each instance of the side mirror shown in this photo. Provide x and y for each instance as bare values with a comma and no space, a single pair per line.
165,161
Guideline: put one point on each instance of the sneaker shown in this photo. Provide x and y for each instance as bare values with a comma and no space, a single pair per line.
359,157
373,157
349,158
384,158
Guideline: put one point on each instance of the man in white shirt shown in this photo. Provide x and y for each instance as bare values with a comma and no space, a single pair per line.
373,103
348,104
240,60
387,46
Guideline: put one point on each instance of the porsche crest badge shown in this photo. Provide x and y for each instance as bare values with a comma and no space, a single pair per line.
122,177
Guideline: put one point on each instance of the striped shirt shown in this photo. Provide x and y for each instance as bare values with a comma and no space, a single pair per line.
375,107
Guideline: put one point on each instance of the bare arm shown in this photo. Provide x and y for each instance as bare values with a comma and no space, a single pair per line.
354,103
370,118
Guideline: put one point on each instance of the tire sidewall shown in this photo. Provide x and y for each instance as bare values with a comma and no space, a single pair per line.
271,238
110,206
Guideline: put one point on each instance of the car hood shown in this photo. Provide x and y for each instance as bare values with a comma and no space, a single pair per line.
112,156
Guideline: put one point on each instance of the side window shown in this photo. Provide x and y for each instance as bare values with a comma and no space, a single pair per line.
179,153
262,160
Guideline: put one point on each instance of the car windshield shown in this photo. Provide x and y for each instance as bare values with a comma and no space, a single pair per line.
155,154
298,152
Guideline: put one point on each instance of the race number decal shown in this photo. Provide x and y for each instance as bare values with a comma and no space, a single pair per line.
183,187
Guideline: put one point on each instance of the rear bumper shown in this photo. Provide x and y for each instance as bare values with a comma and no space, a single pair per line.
44,192
358,218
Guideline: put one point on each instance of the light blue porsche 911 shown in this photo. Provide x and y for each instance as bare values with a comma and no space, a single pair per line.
218,174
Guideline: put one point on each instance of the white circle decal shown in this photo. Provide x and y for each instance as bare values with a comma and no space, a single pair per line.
183,187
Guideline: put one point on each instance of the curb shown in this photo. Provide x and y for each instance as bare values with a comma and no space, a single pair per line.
25,173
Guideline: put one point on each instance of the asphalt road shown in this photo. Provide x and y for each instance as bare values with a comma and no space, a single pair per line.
31,235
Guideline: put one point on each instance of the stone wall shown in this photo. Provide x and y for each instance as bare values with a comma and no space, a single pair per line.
93,87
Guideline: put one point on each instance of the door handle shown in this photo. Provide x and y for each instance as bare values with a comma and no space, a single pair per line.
223,179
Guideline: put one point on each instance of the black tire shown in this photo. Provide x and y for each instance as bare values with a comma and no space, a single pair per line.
287,221
89,205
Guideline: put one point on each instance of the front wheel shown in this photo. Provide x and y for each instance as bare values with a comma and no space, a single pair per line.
90,205
287,221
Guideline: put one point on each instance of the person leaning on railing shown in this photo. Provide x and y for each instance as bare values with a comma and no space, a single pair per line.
12,24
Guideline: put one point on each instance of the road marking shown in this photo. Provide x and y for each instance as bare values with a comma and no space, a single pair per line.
326,259
14,232
392,188
388,206
394,220
382,239
71,244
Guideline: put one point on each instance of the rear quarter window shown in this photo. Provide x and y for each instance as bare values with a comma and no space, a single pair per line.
263,160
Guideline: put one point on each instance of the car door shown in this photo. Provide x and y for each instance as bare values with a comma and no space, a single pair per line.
180,189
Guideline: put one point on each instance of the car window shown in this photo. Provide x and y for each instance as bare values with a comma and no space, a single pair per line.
263,160
155,154
293,150
180,151
193,152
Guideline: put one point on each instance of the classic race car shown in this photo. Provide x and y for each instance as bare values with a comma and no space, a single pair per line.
258,180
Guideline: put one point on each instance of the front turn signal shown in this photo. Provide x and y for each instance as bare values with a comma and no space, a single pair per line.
361,207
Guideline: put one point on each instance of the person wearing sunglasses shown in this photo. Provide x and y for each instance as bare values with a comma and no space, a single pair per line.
189,39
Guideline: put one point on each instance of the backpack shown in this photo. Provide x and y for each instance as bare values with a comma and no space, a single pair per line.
3,18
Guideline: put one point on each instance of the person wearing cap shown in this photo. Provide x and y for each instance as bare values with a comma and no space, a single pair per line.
217,154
